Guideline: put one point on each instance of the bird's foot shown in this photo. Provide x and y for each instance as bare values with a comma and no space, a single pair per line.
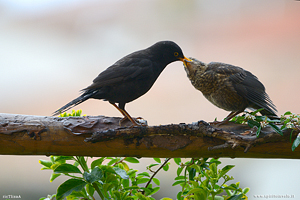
135,122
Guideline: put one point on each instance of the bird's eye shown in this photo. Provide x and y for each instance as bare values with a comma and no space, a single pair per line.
176,54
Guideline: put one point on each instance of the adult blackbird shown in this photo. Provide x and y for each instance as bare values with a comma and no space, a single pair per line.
130,77
229,87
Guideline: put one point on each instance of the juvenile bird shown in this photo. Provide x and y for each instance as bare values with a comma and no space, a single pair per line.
229,87
130,77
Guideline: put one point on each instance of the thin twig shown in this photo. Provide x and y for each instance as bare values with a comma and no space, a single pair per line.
119,161
166,161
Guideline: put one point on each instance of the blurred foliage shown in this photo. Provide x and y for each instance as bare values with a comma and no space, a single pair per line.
201,179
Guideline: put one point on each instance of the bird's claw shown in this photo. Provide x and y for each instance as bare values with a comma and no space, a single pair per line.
136,122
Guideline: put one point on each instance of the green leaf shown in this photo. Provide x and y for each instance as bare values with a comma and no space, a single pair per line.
124,166
213,168
90,189
166,167
276,128
117,195
46,163
252,123
225,170
54,176
296,143
125,183
195,184
177,161
132,160
132,188
113,161
179,170
256,111
156,181
140,196
142,180
179,196
178,182
157,160
258,131
246,190
97,162
192,173
66,169
260,118
144,174
196,167
147,190
121,172
213,160
132,172
231,187
236,197
195,190
287,113
62,158
78,113
68,187
95,175
152,165
154,191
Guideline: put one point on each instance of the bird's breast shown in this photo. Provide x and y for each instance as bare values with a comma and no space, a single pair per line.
219,91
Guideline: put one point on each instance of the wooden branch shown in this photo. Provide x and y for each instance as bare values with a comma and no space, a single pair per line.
102,136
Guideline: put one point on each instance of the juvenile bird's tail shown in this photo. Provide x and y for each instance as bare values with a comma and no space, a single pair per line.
75,102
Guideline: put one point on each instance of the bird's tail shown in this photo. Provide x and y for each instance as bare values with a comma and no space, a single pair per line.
73,103
268,112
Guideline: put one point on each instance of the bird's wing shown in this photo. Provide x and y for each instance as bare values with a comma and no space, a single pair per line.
225,69
122,70
246,85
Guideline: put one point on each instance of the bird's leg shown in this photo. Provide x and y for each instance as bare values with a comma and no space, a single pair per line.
226,120
126,115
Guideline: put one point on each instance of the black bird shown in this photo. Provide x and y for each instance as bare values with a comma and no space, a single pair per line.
130,77
229,87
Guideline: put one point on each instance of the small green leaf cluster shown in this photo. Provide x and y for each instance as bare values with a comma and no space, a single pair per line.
288,120
201,179
291,120
260,122
114,180
73,114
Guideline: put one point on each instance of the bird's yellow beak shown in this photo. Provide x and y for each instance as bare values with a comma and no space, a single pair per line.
185,60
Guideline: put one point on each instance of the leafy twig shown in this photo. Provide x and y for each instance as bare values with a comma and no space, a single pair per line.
166,161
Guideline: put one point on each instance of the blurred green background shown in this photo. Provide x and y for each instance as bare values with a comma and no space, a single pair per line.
50,49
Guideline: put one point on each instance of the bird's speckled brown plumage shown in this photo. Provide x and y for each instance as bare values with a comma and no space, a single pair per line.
229,87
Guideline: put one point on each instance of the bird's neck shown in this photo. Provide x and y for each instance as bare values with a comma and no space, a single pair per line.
192,70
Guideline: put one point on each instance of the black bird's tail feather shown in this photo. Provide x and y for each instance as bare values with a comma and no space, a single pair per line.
75,102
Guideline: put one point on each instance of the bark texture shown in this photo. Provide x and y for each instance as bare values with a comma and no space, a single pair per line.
102,136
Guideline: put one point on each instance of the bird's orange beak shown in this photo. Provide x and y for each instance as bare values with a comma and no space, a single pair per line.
185,60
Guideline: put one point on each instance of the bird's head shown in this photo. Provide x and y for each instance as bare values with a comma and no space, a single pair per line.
192,65
168,51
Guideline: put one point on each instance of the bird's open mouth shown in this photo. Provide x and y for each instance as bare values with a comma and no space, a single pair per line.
185,60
